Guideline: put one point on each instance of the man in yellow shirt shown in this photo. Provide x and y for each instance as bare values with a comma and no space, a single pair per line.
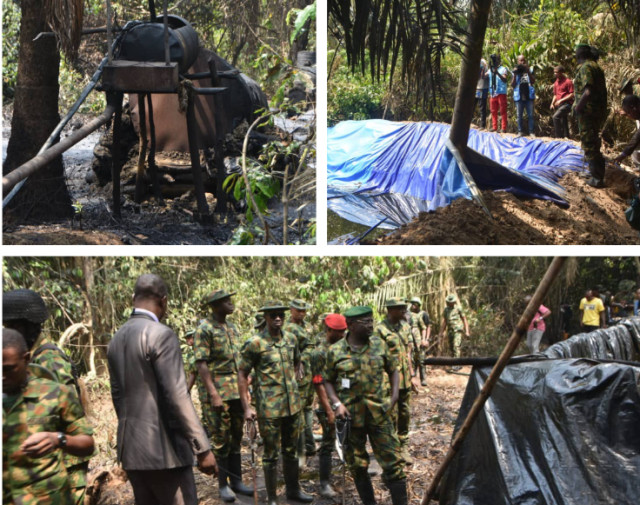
592,312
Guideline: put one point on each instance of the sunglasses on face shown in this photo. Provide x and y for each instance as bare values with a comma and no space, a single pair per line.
276,315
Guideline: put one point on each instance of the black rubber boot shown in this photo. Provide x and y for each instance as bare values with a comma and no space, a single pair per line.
423,375
326,490
291,473
271,482
364,488
235,476
226,494
398,490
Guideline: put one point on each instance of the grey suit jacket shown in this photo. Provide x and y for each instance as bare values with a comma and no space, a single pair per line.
158,427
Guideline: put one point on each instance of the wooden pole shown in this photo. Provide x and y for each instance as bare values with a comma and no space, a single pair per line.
512,344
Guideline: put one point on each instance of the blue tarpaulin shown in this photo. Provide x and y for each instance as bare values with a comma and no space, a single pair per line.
380,169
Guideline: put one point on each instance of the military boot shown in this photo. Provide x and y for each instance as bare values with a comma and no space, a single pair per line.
235,475
291,475
271,482
423,375
398,490
364,488
226,494
326,490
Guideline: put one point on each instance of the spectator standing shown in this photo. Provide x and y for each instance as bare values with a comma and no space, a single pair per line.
591,312
561,102
523,93
482,91
537,327
498,92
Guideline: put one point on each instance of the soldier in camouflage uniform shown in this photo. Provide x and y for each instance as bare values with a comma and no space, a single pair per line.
335,326
216,351
24,310
355,382
306,345
193,377
590,108
420,331
396,333
274,357
42,421
455,323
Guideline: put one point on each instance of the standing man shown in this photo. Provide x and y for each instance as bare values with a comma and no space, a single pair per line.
498,92
335,326
396,333
561,102
355,382
217,354
537,327
306,345
592,312
482,91
631,108
24,310
591,110
421,332
158,428
455,323
523,93
274,357
41,421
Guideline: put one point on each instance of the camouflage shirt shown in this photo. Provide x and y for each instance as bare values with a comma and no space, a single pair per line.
273,361
453,316
44,405
218,345
358,378
319,357
52,360
398,338
590,74
306,345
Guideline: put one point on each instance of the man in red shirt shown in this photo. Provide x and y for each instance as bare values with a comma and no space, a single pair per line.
562,101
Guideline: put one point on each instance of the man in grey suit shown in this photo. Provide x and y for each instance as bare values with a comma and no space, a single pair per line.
158,428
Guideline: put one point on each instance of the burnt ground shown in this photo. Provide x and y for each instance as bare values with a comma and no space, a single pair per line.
594,217
434,412
170,223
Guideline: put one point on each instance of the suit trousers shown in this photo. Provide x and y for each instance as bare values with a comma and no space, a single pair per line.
172,486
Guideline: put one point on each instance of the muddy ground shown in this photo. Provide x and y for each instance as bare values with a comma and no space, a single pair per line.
434,412
594,216
169,223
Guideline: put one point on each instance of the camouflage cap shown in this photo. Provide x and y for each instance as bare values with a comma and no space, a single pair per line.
299,304
218,294
625,82
395,302
451,299
271,305
260,320
415,299
360,310
23,304
190,334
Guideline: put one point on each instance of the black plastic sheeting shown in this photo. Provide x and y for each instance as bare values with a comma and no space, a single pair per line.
555,431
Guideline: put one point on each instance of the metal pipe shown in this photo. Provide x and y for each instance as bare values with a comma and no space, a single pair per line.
205,75
46,157
208,91
109,33
165,19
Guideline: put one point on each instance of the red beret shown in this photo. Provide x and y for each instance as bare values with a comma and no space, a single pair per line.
336,322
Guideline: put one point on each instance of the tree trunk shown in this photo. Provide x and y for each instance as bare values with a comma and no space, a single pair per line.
35,115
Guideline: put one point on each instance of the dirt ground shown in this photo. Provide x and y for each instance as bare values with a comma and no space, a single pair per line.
434,412
594,216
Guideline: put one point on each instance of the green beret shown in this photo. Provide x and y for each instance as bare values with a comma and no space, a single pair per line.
273,305
451,298
361,310
582,45
260,320
395,302
219,294
299,304
415,299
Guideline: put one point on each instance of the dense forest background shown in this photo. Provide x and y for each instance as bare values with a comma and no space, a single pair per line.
403,61
90,297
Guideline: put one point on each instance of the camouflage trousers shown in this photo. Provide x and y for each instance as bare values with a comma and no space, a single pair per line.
386,448
589,127
328,433
226,428
205,405
78,481
402,415
418,354
61,496
279,433
455,341
307,442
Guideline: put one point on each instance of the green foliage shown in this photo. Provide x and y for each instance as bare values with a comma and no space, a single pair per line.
10,31
304,16
72,82
263,186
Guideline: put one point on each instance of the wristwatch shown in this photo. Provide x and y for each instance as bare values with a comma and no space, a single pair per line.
62,440
335,406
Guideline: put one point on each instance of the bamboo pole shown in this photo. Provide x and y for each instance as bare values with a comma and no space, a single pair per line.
514,340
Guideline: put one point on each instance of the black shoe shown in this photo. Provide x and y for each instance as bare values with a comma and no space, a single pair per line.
398,491
595,183
291,474
324,471
226,494
235,476
365,489
271,483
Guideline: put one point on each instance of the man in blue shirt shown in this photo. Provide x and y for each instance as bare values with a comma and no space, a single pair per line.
523,93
